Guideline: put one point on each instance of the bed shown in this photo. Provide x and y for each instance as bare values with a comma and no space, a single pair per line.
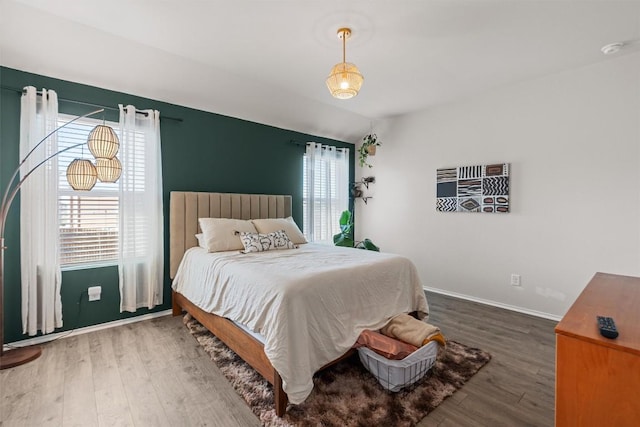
286,313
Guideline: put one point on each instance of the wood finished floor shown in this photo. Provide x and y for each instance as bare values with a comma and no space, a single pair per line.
153,373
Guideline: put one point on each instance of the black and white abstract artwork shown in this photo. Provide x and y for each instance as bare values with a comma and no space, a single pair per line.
483,188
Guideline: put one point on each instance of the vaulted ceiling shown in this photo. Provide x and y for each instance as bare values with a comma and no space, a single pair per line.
267,60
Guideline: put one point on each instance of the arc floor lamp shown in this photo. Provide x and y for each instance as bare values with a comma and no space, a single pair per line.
82,175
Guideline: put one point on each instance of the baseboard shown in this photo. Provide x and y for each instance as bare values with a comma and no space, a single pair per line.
495,304
65,334
50,337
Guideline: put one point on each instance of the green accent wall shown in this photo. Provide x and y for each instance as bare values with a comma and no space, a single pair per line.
203,152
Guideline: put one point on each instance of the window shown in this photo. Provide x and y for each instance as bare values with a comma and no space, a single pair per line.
325,191
88,220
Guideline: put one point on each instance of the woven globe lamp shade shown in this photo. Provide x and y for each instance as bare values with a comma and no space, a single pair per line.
344,80
103,142
82,175
109,170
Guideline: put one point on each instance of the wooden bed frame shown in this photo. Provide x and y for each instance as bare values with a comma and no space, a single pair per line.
185,209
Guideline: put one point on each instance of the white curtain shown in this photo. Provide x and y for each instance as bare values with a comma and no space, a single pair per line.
326,191
141,254
39,248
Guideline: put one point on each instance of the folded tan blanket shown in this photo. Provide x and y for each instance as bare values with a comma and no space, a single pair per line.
411,330
385,346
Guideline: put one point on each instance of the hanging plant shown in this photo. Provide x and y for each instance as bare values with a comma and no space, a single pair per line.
368,148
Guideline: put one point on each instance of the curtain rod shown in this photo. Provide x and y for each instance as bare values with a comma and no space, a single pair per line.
304,144
89,104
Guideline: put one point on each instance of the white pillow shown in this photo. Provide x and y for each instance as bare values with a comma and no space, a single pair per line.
220,233
257,242
289,226
201,242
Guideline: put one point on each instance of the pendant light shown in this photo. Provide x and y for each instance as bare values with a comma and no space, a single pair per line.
109,170
344,80
103,142
82,175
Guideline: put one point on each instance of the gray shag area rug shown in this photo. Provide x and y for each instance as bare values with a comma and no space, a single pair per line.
346,394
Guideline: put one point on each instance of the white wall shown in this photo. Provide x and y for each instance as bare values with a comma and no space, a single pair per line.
573,143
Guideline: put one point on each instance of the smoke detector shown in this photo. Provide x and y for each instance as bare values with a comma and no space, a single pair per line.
612,48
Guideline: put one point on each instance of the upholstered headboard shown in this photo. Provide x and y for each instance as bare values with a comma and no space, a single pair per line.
187,207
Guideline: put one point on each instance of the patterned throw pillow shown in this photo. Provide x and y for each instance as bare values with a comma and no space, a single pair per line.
256,242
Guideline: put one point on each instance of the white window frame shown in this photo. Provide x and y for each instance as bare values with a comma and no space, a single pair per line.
70,135
331,198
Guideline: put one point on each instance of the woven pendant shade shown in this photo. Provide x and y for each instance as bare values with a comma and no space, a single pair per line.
109,170
81,175
103,142
344,81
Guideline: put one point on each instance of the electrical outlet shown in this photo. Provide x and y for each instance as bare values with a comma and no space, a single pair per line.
94,293
515,280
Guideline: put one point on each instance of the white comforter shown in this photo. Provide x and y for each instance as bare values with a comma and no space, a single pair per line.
310,304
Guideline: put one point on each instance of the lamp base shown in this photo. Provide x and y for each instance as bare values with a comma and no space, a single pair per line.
19,356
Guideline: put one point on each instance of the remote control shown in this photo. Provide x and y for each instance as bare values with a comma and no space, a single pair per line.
607,327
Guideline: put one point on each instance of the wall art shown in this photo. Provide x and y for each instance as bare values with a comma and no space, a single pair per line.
483,188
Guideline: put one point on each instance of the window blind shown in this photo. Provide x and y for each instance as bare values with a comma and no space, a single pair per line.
325,191
88,220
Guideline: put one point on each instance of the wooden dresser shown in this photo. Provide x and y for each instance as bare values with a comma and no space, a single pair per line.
598,379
